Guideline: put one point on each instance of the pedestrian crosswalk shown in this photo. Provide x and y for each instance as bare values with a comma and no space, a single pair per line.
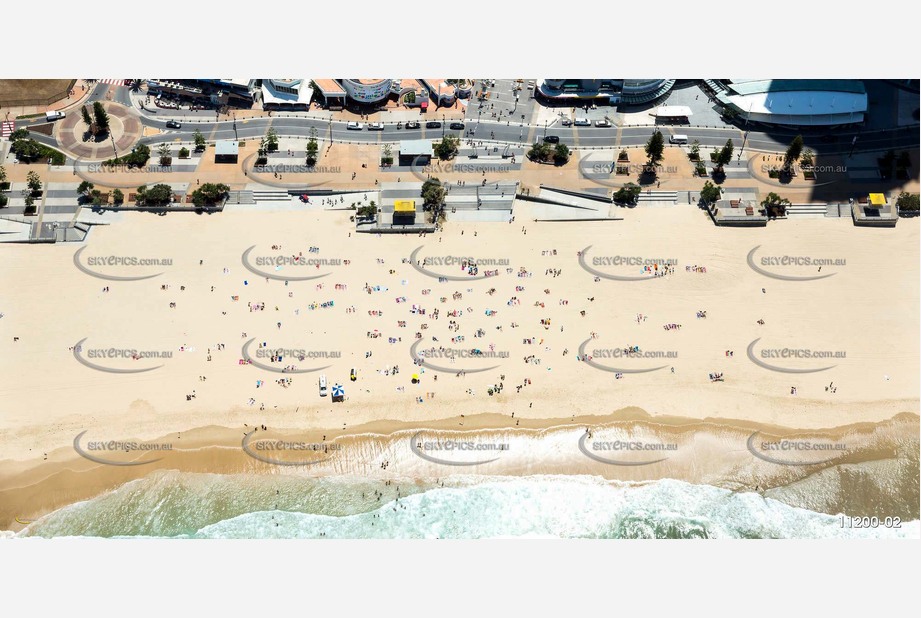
114,82
6,128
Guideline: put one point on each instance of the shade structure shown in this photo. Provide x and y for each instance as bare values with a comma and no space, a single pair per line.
673,111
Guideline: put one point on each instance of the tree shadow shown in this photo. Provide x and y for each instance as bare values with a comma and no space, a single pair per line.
648,176
784,177
98,138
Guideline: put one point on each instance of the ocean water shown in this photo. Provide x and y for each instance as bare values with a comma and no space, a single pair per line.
171,504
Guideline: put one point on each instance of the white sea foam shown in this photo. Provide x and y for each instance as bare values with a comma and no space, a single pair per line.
173,504
566,507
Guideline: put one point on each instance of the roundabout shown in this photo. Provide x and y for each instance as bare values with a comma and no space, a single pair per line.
73,138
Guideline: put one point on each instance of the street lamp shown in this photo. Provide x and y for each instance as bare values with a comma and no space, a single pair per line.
442,125
745,136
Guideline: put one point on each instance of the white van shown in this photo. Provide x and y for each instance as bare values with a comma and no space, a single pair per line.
583,122
353,126
678,139
323,389
52,116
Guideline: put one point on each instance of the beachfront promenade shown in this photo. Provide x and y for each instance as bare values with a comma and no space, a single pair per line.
351,167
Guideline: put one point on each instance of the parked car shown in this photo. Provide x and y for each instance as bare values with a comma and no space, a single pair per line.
583,122
459,126
323,389
567,122
353,126
552,139
412,124
375,126
353,375
603,123
432,124
173,124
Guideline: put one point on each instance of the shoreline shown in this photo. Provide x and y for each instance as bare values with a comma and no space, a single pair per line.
708,451
204,305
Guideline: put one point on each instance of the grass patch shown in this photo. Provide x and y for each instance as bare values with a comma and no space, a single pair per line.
18,91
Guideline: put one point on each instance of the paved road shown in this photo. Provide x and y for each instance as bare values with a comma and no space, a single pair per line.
506,131
509,132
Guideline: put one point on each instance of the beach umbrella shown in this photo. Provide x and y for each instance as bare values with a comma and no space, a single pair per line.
338,390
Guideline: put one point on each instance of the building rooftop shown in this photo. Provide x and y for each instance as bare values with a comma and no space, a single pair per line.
438,86
270,94
673,111
329,87
758,86
799,101
226,148
393,192
416,147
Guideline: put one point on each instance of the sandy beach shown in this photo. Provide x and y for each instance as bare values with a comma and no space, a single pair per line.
698,323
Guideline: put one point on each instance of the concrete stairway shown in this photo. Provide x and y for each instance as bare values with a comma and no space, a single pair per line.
805,210
270,196
647,197
240,197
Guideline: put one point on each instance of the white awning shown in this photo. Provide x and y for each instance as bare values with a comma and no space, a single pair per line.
673,111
